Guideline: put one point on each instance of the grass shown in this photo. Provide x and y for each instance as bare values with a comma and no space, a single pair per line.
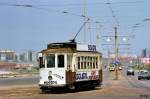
140,67
26,71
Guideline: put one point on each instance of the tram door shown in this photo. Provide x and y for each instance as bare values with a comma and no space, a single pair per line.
70,73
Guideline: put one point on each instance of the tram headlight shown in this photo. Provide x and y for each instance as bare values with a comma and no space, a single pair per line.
49,77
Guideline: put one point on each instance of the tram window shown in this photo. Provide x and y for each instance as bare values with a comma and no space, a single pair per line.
85,62
90,62
96,62
41,62
50,61
81,62
60,60
81,65
69,61
78,62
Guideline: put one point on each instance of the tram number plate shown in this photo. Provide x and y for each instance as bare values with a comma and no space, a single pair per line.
51,83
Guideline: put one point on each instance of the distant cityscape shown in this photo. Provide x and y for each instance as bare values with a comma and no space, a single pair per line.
8,55
10,58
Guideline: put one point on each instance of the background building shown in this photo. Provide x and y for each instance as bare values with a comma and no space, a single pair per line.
7,55
145,53
29,56
145,56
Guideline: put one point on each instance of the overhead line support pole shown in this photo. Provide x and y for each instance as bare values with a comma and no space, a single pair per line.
116,53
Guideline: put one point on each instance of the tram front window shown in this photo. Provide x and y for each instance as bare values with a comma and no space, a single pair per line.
50,61
60,60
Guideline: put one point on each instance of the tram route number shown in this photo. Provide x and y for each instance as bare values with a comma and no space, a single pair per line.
50,82
91,47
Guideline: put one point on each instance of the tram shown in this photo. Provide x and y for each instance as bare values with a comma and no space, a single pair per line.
70,65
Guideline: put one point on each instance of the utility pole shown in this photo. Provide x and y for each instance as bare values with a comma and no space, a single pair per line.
116,53
108,60
116,44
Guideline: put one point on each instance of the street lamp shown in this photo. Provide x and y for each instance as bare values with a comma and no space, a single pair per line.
124,39
108,39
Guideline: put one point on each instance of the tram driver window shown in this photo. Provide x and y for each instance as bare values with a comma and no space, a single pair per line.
60,60
50,61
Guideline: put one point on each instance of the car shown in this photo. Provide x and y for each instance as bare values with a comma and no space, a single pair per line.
111,67
143,74
120,68
130,71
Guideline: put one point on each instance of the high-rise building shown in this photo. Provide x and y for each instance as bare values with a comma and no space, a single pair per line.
146,53
29,56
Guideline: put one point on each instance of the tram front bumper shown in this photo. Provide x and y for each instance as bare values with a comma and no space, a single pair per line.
50,85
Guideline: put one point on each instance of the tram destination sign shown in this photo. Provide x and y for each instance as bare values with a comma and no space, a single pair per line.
84,47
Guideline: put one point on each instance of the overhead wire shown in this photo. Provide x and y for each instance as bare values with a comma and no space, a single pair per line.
74,14
41,8
139,24
112,12
95,3
91,3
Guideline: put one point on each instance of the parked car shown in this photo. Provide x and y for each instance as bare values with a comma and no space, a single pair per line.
143,74
130,71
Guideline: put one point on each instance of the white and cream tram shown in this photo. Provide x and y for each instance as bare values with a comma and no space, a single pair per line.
69,65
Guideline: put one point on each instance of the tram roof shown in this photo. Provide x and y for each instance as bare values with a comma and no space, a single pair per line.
62,45
69,47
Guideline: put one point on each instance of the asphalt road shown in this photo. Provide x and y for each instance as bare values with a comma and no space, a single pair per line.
135,83
28,80
126,87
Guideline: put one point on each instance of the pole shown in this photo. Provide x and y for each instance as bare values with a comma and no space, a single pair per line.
116,53
108,58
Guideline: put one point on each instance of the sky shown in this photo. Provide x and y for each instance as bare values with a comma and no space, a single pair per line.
47,21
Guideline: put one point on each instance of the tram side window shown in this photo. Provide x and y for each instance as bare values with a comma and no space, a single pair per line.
81,62
41,62
88,63
60,60
50,61
85,66
69,61
78,62
96,62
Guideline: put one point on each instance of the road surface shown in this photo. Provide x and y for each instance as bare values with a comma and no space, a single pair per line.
127,87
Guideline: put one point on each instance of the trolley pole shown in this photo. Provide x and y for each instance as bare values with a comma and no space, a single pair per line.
116,53
85,18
